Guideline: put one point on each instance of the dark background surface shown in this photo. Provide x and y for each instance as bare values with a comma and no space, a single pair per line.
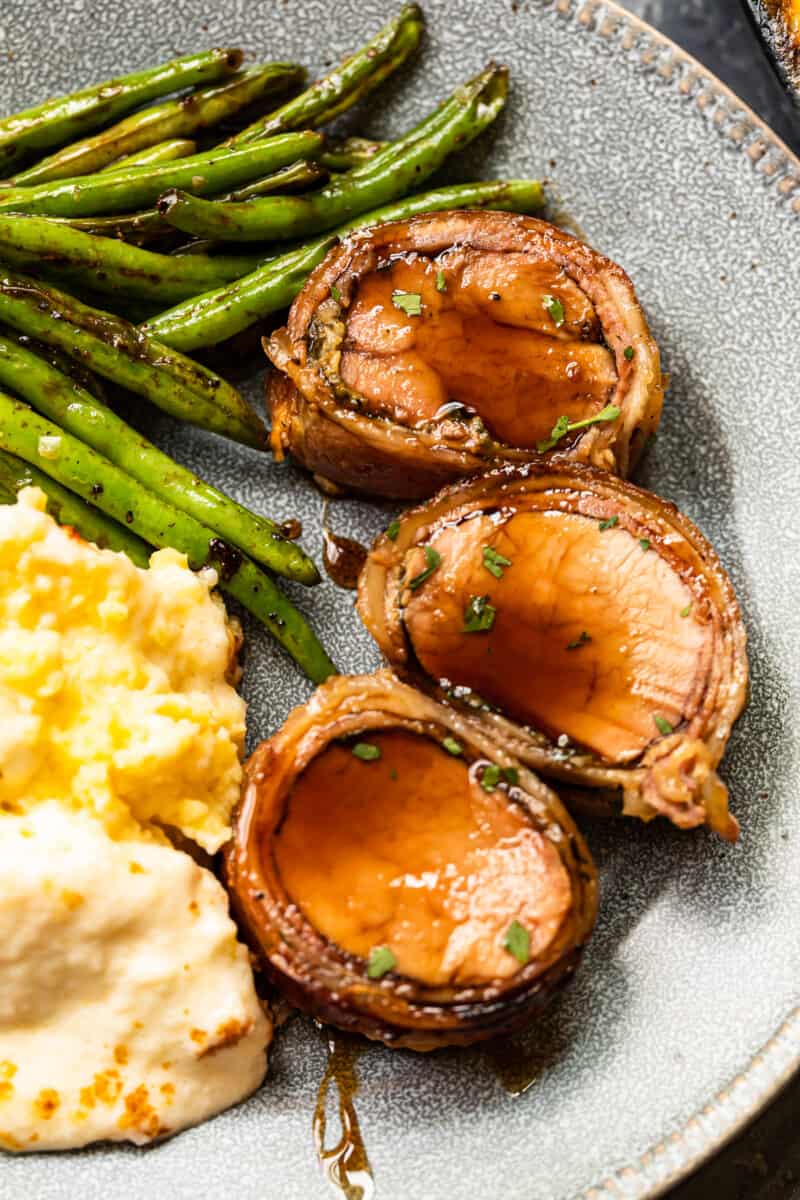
764,1163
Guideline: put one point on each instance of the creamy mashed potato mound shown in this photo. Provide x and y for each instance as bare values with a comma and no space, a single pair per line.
127,1005
114,683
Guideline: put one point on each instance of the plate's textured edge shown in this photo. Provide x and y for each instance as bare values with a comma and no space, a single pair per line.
665,1164
656,54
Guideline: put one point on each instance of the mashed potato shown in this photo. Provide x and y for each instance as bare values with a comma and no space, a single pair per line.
114,684
127,1006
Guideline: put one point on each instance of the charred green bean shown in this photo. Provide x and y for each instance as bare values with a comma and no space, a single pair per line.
64,118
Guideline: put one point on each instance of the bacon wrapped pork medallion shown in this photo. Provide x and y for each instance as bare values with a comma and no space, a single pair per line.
588,622
401,874
424,350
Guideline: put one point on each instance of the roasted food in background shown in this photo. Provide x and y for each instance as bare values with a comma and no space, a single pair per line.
424,350
589,622
401,875
778,22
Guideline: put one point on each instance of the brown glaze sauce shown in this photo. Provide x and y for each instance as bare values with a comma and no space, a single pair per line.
292,529
507,335
519,1062
345,1164
343,558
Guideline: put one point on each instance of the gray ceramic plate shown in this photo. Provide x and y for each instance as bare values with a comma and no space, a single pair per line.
683,1021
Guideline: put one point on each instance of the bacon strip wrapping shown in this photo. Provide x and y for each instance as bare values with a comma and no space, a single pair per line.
421,351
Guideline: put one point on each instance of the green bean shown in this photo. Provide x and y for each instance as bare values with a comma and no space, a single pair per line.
119,351
350,153
114,492
403,47
471,108
61,120
218,315
107,265
74,369
135,187
327,96
295,178
68,509
144,226
183,117
75,411
148,225
162,152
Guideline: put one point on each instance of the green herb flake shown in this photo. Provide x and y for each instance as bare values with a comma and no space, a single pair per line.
366,751
490,777
380,961
408,302
609,523
511,776
563,426
335,293
518,942
392,530
555,308
433,558
393,775
644,543
559,430
494,562
441,282
662,725
685,611
628,352
452,746
579,641
479,615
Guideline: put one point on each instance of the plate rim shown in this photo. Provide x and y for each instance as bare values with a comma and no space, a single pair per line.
735,1105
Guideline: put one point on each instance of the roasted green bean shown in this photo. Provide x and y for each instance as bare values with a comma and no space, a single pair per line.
78,413
107,265
64,118
341,87
103,485
453,125
135,187
190,114
129,356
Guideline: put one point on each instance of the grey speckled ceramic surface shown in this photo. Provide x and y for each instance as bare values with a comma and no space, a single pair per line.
683,1020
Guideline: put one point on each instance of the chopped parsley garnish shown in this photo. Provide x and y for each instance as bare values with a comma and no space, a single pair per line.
685,611
452,746
337,295
555,309
479,615
408,302
563,426
628,352
518,942
492,774
433,558
393,775
392,530
609,523
579,641
381,960
366,751
494,562
441,282
490,777
644,543
662,724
